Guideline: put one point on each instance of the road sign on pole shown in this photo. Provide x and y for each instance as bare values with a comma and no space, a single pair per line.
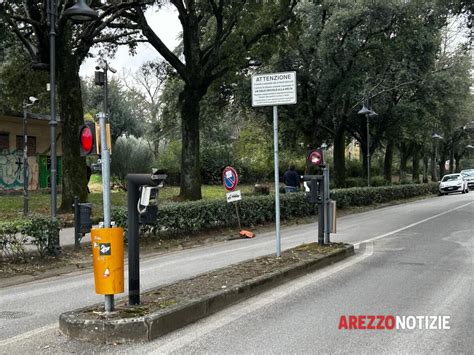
230,179
272,90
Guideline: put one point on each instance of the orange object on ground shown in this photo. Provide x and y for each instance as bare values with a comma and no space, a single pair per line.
246,234
107,255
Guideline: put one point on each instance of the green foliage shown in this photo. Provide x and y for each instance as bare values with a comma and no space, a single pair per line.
188,217
16,74
12,242
124,109
253,152
42,232
169,159
16,234
130,155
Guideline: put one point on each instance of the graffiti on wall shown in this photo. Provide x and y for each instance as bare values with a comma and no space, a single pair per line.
11,171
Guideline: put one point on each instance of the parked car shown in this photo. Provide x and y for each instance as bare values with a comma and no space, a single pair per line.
468,176
452,183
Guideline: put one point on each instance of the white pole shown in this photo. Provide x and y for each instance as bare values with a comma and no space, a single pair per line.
277,181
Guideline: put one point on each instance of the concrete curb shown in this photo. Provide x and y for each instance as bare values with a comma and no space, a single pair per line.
149,327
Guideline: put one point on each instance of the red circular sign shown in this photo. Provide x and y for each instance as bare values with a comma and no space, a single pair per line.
315,157
230,179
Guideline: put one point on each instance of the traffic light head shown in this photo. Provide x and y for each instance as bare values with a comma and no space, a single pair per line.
316,157
87,139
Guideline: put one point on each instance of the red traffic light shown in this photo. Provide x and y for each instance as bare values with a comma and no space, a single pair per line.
315,157
87,138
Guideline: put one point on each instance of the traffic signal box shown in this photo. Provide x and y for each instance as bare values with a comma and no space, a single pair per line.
107,254
89,139
315,157
89,136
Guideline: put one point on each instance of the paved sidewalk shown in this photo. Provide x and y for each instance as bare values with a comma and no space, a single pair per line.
66,237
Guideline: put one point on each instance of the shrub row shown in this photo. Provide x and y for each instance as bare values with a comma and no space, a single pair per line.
17,234
186,217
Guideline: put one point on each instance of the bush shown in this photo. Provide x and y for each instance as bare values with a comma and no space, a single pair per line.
37,230
261,189
356,182
188,217
12,241
130,155
42,230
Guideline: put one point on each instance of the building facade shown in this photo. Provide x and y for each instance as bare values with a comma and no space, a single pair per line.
39,150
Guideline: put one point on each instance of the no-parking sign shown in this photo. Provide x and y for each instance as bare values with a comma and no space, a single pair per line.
230,179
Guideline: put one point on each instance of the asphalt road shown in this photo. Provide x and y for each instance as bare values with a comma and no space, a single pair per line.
414,260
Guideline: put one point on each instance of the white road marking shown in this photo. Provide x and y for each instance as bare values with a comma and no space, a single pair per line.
356,245
27,335
191,333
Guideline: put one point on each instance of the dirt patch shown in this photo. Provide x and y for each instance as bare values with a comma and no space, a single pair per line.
69,260
225,278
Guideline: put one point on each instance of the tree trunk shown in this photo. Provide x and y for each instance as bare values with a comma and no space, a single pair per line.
451,160
190,184
457,160
442,169
340,156
416,165
403,160
434,175
74,182
388,162
425,168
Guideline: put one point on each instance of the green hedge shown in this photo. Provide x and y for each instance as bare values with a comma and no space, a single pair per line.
36,230
186,217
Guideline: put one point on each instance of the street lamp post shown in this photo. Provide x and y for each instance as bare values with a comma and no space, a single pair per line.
77,13
32,100
368,113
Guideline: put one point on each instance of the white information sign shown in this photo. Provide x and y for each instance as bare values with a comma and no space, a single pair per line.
274,89
234,196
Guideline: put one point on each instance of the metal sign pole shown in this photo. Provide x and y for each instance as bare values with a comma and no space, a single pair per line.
105,159
236,203
326,204
277,181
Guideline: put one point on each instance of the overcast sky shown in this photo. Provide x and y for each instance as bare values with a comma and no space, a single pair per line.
164,22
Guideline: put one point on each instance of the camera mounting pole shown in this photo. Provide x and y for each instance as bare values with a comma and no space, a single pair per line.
134,182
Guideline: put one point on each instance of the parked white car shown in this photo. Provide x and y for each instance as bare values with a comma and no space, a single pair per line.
452,183
468,176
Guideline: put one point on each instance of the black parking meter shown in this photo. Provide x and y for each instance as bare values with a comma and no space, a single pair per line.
82,220
85,221
316,195
148,205
313,194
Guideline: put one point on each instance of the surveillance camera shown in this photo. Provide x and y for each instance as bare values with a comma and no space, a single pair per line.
33,100
112,70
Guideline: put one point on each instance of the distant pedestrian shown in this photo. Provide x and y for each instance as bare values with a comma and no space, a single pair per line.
291,179
88,175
